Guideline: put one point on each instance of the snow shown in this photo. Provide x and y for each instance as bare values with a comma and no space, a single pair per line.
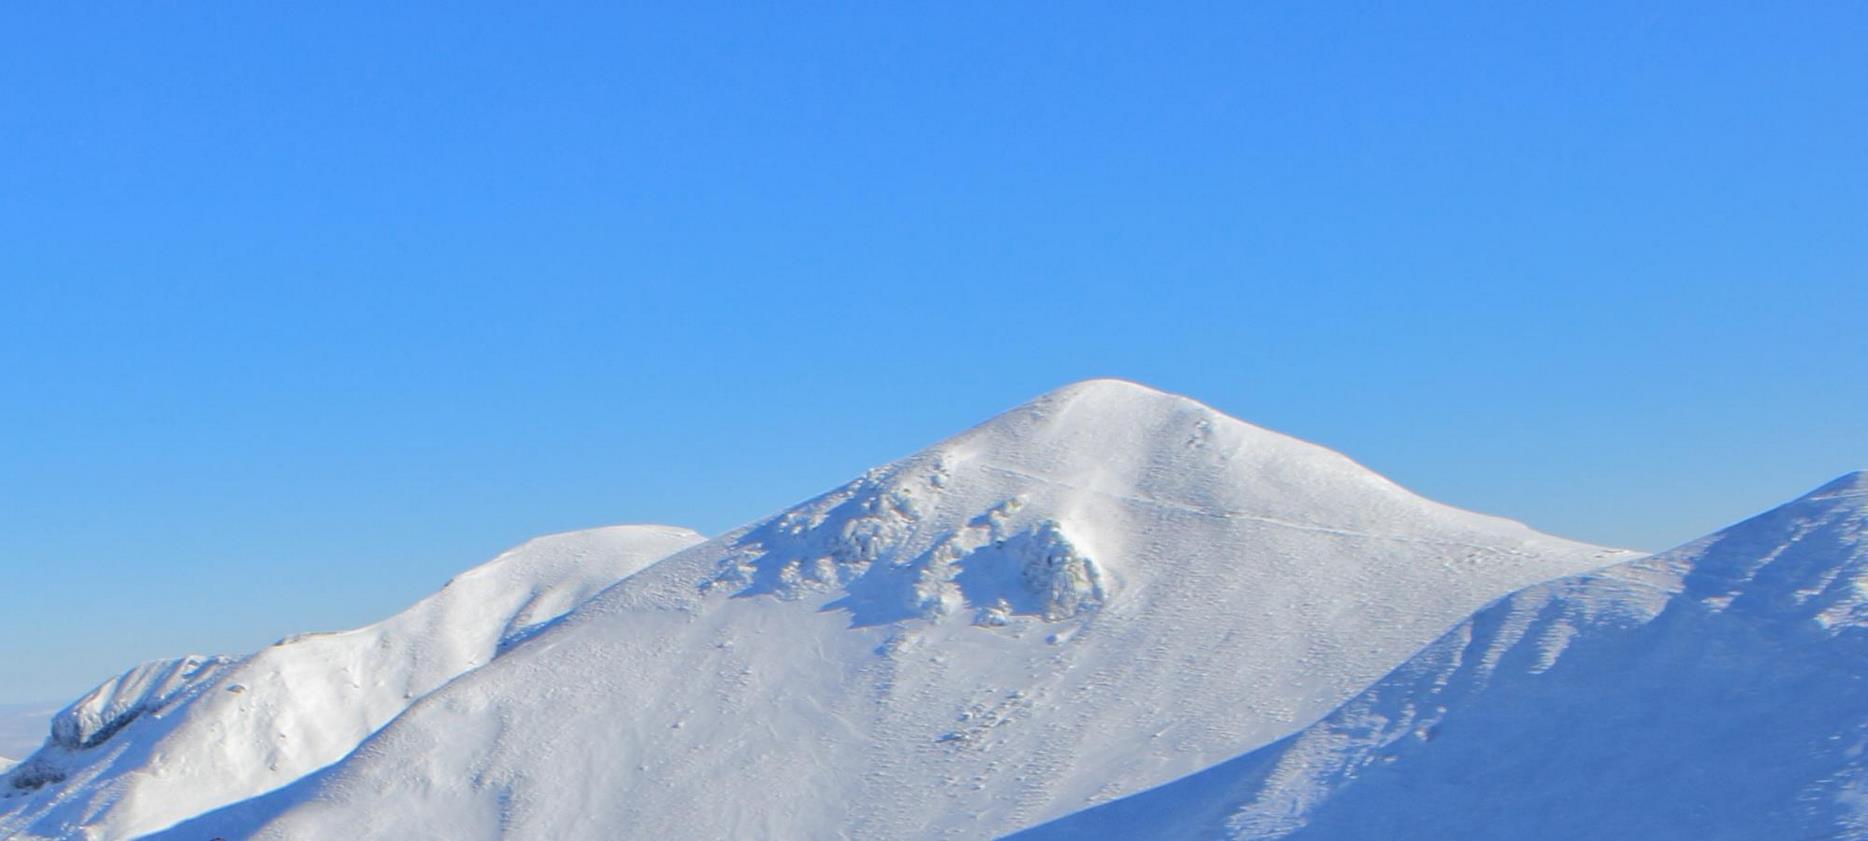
1713,691
173,738
115,704
1091,595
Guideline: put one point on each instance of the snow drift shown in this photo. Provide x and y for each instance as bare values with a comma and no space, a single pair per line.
173,738
1091,595
1714,691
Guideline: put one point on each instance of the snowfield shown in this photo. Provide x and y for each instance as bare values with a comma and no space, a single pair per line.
170,739
1714,691
1087,597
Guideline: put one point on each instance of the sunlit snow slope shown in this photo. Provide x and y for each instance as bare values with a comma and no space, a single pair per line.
1090,595
1716,691
170,739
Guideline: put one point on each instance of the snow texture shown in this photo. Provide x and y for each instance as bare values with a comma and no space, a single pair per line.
170,739
1096,593
1714,691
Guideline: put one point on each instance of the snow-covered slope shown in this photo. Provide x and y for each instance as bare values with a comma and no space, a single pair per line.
170,739
1095,593
1719,690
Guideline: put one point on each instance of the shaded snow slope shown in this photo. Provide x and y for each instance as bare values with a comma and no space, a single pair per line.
169,739
1095,593
1719,690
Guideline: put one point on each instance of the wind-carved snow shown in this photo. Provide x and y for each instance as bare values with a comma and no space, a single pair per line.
1039,572
855,541
170,739
1090,595
106,710
117,702
1713,691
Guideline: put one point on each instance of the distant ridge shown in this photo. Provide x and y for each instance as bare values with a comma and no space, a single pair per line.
169,739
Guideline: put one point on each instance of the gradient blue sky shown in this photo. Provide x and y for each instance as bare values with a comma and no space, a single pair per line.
308,306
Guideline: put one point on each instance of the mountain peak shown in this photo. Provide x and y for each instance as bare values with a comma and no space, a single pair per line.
1116,438
1104,388
1081,597
1094,407
1852,483
1048,493
1805,560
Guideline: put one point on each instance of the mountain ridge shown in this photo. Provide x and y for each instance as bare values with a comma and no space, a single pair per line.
168,739
1098,591
1714,689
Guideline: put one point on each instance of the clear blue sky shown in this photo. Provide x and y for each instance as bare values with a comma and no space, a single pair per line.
308,306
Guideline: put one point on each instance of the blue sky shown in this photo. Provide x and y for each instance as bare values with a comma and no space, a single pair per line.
308,306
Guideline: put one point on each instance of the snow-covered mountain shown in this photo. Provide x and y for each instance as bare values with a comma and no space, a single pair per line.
1094,594
1719,690
170,739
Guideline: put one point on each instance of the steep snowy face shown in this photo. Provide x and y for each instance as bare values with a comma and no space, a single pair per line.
115,703
172,738
1803,563
1095,593
1719,690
